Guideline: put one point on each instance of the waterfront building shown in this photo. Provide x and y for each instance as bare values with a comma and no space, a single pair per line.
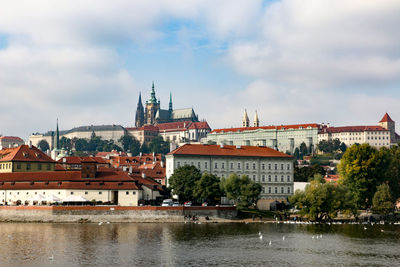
268,167
10,141
28,175
284,138
381,135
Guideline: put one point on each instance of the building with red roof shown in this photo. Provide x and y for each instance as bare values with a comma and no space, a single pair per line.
381,135
284,138
264,165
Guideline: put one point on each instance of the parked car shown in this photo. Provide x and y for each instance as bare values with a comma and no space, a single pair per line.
175,204
188,203
167,202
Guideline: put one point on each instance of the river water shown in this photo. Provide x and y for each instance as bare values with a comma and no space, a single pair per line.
213,244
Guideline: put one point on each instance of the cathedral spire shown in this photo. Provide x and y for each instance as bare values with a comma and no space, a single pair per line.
57,137
153,98
170,102
139,119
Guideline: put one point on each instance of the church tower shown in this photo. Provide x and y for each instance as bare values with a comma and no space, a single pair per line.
245,121
139,119
256,122
152,106
389,124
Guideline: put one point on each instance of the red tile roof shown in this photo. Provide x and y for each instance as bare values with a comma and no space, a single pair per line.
174,126
352,129
24,153
386,118
14,138
199,125
281,127
79,160
216,150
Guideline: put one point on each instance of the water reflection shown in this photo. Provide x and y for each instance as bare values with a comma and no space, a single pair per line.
193,245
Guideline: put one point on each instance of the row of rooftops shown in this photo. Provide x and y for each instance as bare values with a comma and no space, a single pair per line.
320,127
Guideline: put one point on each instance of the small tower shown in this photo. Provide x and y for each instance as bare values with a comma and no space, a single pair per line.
139,119
245,121
256,122
389,124
152,106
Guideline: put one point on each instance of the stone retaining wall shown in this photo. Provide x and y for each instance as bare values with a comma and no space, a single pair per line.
111,213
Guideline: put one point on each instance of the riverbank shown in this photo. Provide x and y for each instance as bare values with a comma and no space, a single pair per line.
83,214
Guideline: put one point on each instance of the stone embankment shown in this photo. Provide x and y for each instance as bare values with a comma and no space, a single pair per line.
69,214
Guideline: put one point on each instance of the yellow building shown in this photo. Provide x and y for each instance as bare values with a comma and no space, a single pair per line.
25,158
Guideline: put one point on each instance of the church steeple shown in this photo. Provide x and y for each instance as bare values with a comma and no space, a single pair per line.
256,121
139,119
57,137
170,102
153,98
245,121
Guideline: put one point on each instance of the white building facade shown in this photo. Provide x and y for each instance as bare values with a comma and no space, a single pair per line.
272,169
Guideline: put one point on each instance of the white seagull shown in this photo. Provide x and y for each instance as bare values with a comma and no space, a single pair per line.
100,223
261,237
283,238
270,243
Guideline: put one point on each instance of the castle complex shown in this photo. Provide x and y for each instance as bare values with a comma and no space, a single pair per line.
152,113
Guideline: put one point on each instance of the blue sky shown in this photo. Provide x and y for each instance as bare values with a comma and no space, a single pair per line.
293,61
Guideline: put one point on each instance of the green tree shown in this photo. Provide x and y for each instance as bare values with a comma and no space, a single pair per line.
303,150
335,144
243,191
362,169
158,145
207,188
65,143
183,182
393,172
126,140
306,173
43,145
343,147
81,144
296,153
144,148
382,203
322,201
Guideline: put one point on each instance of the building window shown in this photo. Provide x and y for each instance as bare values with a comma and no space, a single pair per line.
18,165
288,178
86,193
269,166
282,191
205,165
100,192
231,165
28,166
216,165
127,192
48,167
288,166
239,165
222,165
263,166
269,178
133,193
281,166
288,190
247,166
254,166
276,178
198,165
59,193
254,178
72,193
269,190
39,166
276,190
282,179
263,178
263,189
178,164
276,166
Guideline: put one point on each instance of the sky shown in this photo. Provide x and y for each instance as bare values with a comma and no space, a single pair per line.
294,61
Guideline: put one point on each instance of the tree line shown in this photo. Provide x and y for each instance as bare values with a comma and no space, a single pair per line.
127,143
189,184
369,179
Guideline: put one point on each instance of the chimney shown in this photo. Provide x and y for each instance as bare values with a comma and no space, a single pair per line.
64,160
140,154
221,145
162,164
238,147
143,175
30,144
9,146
